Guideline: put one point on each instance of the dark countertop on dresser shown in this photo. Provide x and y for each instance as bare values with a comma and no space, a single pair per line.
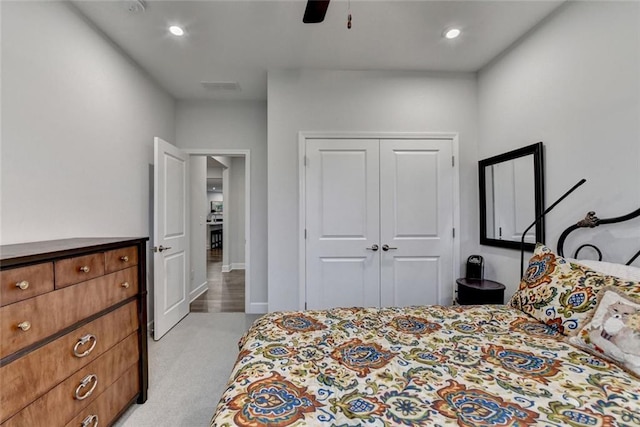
20,253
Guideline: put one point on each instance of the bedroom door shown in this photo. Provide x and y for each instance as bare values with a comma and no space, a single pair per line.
170,238
379,221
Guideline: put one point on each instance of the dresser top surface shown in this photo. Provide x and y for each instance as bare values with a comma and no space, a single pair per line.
22,253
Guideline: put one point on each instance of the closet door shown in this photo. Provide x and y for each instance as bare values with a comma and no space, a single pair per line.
343,223
416,222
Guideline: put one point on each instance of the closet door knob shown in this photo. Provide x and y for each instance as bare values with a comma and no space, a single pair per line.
386,247
373,248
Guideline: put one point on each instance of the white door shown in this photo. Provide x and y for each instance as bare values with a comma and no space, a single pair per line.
416,222
364,194
342,223
170,237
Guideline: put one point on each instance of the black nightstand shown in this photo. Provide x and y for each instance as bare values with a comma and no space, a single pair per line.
479,291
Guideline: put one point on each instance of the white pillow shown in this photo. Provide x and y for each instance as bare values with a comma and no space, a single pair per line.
626,272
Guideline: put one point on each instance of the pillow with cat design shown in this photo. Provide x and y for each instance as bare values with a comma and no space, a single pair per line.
613,332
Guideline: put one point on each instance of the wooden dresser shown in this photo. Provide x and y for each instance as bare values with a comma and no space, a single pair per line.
73,331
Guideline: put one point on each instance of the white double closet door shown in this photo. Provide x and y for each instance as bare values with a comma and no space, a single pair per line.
379,222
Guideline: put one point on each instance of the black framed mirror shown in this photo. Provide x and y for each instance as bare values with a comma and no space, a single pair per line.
512,197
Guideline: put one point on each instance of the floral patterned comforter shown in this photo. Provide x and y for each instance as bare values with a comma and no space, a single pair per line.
420,366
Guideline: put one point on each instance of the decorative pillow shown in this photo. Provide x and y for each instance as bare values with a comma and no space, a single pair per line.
626,272
613,332
562,294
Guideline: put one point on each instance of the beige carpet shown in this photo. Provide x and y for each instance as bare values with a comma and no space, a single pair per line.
188,371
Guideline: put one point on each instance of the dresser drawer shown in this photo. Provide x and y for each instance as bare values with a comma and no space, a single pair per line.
119,259
27,322
75,270
109,404
66,400
25,282
31,376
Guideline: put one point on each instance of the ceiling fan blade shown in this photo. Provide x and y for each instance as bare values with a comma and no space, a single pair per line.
315,11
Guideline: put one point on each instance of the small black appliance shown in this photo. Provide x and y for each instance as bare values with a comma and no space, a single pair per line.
475,267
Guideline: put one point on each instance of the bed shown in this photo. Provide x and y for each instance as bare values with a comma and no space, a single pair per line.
534,361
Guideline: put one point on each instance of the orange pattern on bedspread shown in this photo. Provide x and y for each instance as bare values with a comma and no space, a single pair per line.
420,366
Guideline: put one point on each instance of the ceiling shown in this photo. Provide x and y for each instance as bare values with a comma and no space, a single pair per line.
238,40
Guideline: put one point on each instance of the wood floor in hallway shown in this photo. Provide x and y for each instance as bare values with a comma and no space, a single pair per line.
226,290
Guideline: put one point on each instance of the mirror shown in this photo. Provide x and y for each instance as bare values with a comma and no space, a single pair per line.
512,197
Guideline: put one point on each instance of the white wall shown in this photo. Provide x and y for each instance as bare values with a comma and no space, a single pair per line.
78,125
199,234
317,100
573,83
236,213
78,121
235,125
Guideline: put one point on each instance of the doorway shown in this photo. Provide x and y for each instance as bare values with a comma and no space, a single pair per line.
220,191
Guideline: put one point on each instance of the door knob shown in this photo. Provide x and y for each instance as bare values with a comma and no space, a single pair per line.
161,248
386,247
373,248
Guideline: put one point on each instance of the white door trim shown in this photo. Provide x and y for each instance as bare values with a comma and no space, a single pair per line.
302,214
248,306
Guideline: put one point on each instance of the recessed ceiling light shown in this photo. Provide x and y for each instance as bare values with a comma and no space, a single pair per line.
451,33
176,31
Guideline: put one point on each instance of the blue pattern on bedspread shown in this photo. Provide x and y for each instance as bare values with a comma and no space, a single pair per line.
420,366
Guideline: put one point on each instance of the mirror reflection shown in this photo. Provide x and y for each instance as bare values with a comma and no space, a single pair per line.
511,197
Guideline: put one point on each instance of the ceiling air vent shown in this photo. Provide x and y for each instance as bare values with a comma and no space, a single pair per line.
135,6
221,86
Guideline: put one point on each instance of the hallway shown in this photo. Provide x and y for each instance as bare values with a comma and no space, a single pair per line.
226,290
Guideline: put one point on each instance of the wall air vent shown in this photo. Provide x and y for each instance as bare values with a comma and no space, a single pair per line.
221,86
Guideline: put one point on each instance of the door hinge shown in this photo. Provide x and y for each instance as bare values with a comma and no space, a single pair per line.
305,305
305,233
454,233
453,161
306,161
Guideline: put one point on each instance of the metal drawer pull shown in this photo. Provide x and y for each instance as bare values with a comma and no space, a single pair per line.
125,285
386,247
124,258
82,341
22,284
25,326
91,420
85,269
84,383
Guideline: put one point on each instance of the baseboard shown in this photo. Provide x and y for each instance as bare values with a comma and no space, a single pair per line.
198,291
226,268
237,265
257,308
